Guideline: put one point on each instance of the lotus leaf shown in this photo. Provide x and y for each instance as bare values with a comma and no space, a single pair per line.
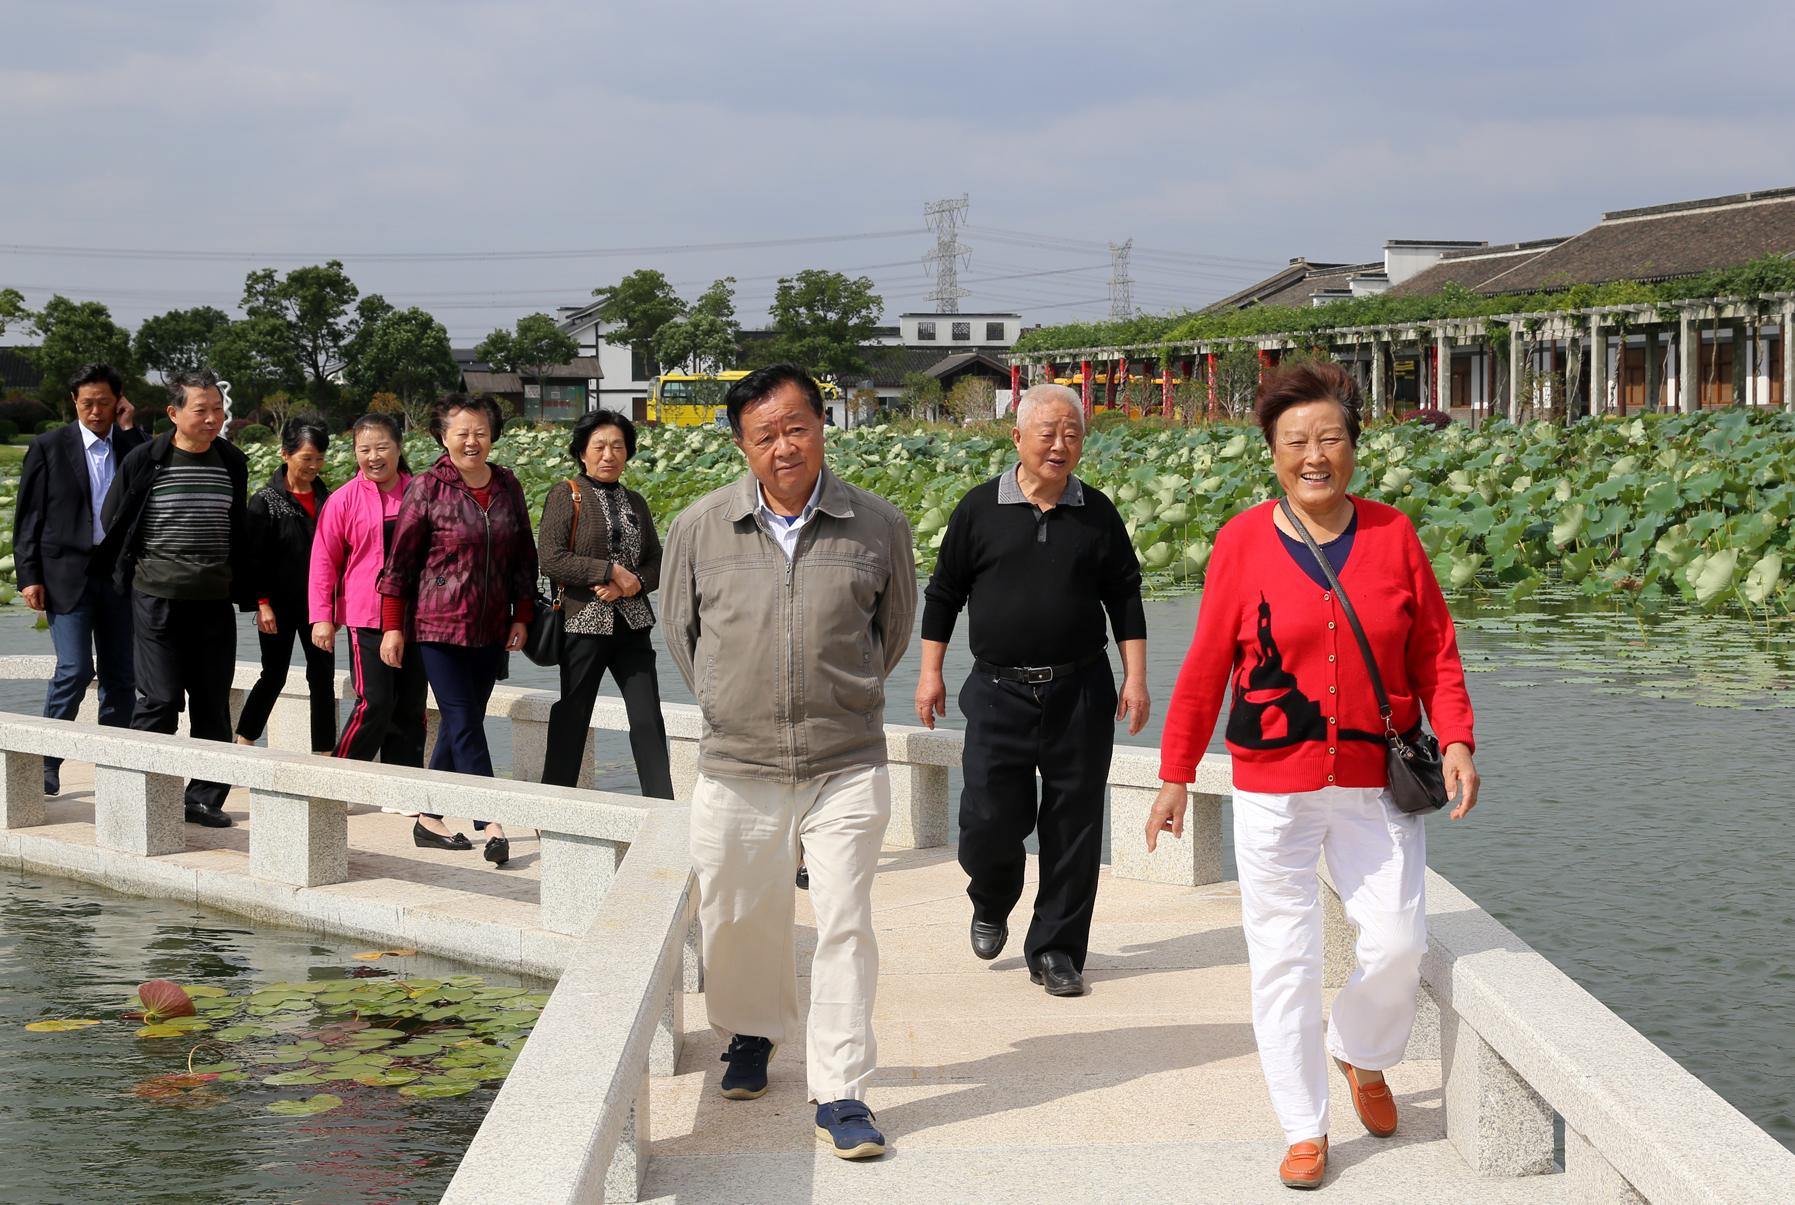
386,1079
1715,577
59,1026
436,1091
286,1078
322,1103
159,1031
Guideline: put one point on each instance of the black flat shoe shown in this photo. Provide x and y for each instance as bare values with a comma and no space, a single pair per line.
208,818
498,850
1058,975
423,838
987,940
52,780
803,879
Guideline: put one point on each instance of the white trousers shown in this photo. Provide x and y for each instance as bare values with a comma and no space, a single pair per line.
747,835
1378,856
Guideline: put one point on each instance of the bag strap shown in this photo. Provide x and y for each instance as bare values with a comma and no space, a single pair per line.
1352,619
559,590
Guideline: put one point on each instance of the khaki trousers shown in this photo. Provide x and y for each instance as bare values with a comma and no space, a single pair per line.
747,835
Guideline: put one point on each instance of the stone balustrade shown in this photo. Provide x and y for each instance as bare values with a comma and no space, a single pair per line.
1521,1045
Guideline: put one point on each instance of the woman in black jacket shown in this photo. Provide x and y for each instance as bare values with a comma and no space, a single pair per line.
598,544
282,517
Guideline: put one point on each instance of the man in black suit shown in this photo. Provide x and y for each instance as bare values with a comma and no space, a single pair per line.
67,473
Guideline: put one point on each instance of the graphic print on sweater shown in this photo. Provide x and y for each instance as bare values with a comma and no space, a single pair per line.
1269,710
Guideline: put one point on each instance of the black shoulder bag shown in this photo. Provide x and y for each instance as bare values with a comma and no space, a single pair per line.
1417,777
548,624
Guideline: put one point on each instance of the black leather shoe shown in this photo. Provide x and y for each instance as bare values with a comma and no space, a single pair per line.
987,940
803,879
52,780
498,850
208,817
423,838
1058,975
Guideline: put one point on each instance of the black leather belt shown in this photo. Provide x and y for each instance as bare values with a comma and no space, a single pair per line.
1036,674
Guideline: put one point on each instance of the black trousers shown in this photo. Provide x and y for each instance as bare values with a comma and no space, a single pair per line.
320,680
185,656
1063,730
629,655
389,703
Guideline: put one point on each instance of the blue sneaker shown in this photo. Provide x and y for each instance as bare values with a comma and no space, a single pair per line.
847,1126
747,1057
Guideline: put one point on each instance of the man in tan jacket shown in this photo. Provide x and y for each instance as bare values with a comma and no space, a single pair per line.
787,598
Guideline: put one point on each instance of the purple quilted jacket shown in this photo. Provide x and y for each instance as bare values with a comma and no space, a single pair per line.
461,568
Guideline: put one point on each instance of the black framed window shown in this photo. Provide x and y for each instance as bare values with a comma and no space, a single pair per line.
994,332
925,330
963,332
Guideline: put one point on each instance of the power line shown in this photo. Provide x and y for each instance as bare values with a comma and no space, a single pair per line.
56,252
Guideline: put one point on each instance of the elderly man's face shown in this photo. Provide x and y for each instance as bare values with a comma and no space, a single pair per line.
1051,442
782,437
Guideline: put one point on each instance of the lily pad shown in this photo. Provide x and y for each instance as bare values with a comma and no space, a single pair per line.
291,1077
414,1049
236,1033
436,1091
324,1102
386,1079
159,1031
60,1026
382,1033
206,989
214,1068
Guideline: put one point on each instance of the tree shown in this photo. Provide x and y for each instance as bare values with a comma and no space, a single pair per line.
922,395
76,333
179,339
972,398
643,302
535,347
13,311
256,357
825,320
406,352
312,306
705,342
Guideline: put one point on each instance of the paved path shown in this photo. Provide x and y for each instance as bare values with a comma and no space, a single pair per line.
1147,1089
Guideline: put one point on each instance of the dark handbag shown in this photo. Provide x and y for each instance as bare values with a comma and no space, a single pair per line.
547,636
1417,776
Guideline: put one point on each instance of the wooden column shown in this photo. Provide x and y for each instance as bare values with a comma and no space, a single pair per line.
1084,388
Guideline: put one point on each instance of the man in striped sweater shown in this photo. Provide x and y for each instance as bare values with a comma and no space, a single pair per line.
175,537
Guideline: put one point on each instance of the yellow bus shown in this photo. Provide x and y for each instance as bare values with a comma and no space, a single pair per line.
684,399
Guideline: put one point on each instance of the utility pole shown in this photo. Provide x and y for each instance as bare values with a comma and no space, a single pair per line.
944,218
1121,287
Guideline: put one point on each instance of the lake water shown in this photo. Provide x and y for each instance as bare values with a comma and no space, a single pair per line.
75,1133
1633,827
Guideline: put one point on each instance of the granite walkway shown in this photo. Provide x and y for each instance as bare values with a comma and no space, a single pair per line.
1147,1089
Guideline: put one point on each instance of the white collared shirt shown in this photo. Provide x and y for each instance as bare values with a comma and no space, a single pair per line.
784,528
101,466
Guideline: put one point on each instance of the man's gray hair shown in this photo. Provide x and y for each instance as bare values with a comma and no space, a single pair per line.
189,378
1035,395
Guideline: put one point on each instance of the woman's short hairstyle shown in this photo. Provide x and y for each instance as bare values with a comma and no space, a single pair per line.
591,421
1310,381
303,429
446,405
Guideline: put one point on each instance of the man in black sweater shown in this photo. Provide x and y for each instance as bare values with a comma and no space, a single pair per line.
1040,557
55,530
176,546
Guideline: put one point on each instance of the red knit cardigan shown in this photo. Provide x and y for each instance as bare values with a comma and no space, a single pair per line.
1303,714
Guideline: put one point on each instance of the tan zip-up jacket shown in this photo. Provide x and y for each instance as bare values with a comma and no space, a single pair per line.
788,660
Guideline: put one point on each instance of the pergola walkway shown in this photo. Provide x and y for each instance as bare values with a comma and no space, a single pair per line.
989,1090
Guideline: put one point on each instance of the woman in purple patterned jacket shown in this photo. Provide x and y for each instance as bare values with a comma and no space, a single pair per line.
464,564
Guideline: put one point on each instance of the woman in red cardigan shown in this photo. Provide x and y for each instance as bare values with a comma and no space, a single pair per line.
1308,748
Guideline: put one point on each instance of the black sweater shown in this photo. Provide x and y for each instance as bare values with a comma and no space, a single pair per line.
1035,601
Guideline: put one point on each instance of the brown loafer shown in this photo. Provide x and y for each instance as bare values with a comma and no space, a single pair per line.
1305,1164
1372,1101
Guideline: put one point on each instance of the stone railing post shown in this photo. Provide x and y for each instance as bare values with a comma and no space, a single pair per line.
1591,1179
576,872
682,757
22,791
918,806
136,812
629,1164
1190,861
1499,1124
290,723
297,839
529,749
669,1035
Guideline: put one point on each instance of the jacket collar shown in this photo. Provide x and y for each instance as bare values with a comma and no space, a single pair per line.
834,499
162,447
444,469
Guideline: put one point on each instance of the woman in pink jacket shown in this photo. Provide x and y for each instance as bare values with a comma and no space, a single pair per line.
355,530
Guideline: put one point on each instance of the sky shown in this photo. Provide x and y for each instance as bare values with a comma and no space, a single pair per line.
489,160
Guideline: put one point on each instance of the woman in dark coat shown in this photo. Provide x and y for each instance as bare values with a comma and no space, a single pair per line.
283,516
463,569
598,546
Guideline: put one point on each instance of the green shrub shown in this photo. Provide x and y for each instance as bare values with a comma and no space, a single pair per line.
47,425
255,433
8,428
26,413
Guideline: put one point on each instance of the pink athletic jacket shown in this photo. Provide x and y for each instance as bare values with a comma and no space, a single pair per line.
348,553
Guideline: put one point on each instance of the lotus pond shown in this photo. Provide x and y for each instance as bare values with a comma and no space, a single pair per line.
256,1064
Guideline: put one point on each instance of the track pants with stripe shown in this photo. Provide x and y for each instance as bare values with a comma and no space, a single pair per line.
389,704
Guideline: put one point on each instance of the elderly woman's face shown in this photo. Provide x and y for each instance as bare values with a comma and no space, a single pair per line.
606,454
1050,441
1313,456
468,438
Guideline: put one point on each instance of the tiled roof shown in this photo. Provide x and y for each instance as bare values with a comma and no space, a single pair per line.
968,359
1661,243
1472,268
1293,285
16,372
